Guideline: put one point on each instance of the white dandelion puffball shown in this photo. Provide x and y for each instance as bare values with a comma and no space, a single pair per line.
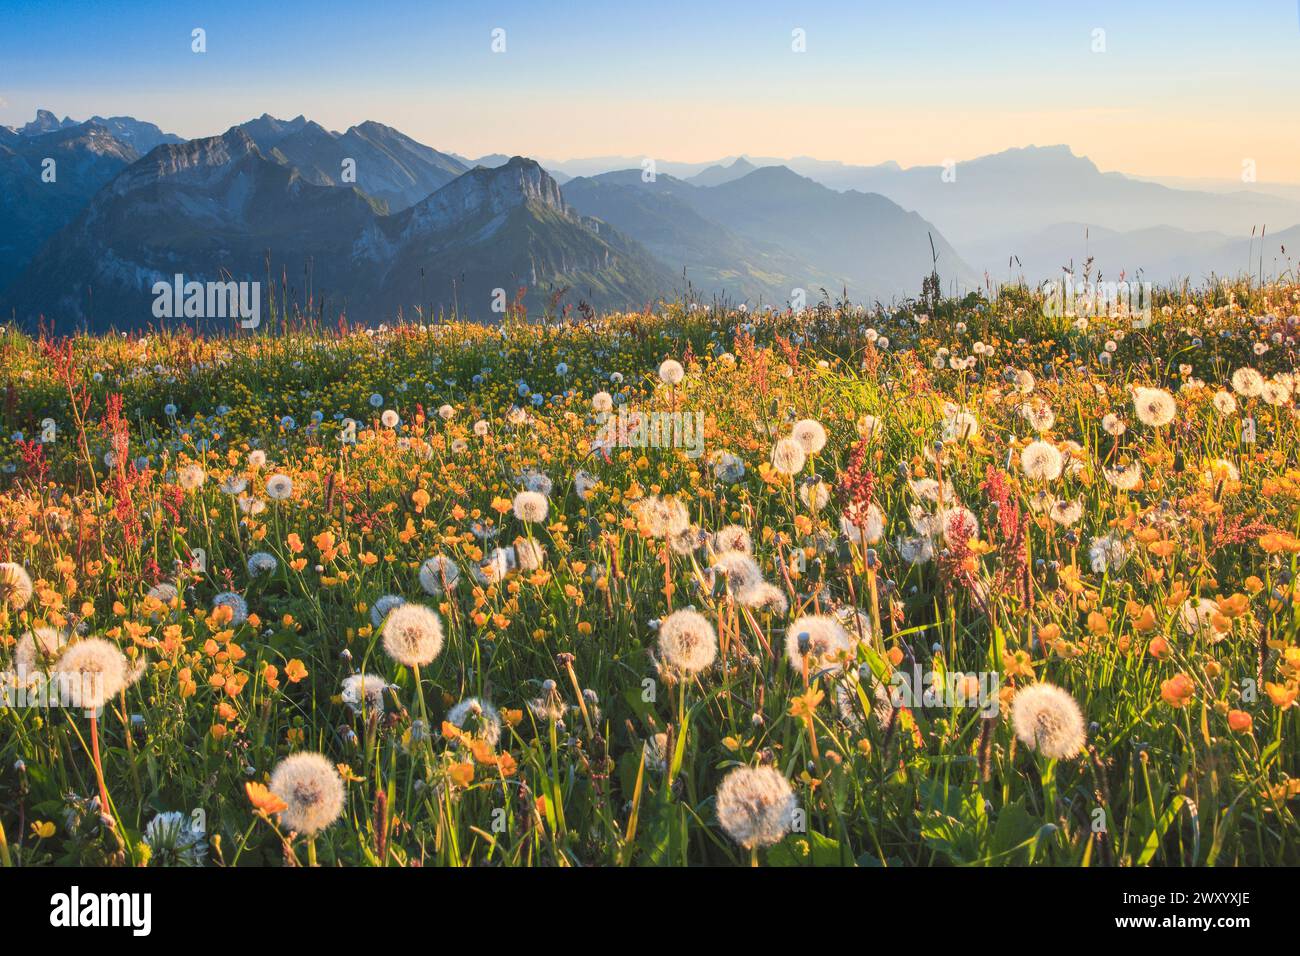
262,563
412,634
733,538
529,555
364,692
15,586
763,597
1066,513
438,575
96,670
174,841
237,605
191,477
788,456
279,487
1048,721
1196,616
810,434
687,641
1124,478
379,610
863,527
1108,553
1247,383
662,517
671,372
1041,461
755,806
815,494
1155,407
446,412
1113,425
477,718
819,638
37,648
602,402
389,419
531,506
257,459
739,569
869,426
1224,403
312,790
163,593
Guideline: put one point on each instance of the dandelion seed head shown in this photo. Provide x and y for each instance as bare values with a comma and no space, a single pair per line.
1047,720
477,718
312,790
810,434
818,637
788,456
531,507
687,641
97,668
755,806
438,575
15,586
412,634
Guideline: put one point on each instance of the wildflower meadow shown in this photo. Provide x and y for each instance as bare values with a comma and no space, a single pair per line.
947,583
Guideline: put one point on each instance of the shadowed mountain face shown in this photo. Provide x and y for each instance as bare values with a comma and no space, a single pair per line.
47,175
377,159
220,209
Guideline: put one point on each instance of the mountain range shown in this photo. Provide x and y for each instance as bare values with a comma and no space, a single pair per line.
372,224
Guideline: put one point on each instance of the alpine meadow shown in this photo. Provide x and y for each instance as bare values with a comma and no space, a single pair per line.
734,436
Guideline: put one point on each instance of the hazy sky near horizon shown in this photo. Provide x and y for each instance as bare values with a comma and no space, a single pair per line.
1184,88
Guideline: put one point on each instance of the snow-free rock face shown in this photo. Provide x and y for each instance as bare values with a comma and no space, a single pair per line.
46,179
45,122
484,193
220,209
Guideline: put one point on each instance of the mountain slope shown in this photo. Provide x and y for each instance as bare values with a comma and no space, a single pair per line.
860,240
719,174
660,215
85,155
503,228
219,209
210,209
387,164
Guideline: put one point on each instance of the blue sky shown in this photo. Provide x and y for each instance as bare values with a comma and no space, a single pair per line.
1185,88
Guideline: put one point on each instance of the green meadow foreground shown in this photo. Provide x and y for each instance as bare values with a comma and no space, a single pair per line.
954,584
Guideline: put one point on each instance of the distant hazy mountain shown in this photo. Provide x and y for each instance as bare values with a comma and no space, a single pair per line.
718,174
219,208
1019,191
85,156
662,217
996,205
139,135
862,240
45,122
387,164
773,231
